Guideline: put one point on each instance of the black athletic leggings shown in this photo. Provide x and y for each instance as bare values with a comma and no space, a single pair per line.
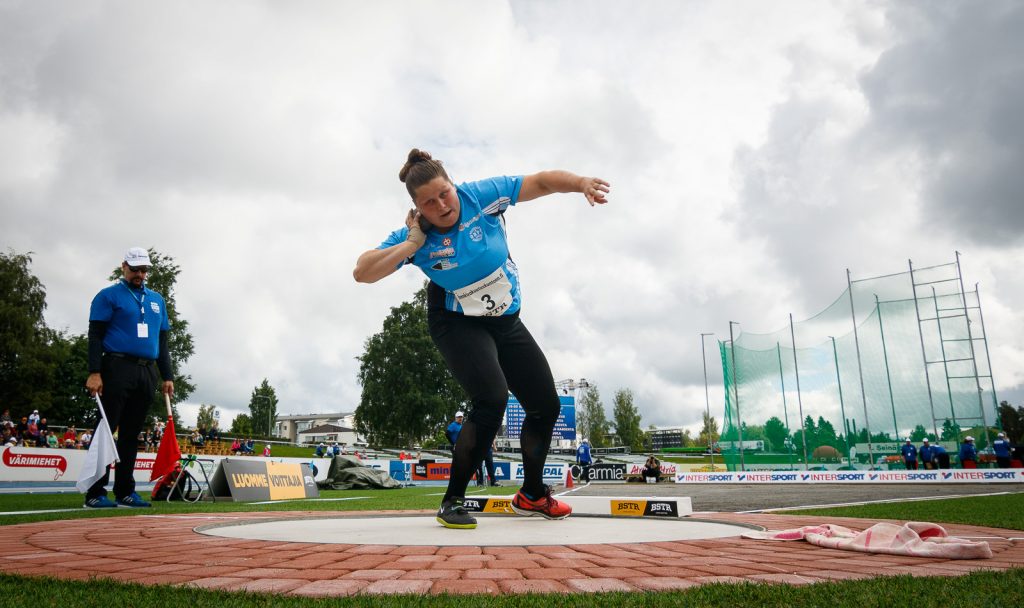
489,356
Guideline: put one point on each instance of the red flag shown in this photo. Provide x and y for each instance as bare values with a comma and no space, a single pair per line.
169,453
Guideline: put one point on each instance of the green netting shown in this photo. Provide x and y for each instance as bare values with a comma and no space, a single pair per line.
800,397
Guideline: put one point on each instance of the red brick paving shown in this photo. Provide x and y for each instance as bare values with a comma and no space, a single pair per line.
167,550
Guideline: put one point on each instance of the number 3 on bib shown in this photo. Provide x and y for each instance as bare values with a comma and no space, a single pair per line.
489,297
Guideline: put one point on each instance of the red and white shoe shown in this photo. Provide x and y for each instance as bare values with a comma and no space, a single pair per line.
546,505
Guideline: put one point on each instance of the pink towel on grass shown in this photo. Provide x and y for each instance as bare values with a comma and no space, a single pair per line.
913,538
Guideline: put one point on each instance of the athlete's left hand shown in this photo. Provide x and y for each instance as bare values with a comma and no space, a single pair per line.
594,188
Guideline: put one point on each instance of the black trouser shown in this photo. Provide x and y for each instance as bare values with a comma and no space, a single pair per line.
128,389
489,356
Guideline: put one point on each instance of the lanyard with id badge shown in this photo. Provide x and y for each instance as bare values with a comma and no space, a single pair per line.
141,328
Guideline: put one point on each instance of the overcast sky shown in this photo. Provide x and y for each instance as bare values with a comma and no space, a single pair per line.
755,150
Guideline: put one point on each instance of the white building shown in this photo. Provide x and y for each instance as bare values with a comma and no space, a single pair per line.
330,433
289,426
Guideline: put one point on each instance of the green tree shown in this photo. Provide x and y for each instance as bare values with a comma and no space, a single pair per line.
26,362
708,430
590,411
950,430
753,432
241,426
408,392
775,432
1012,421
205,419
71,404
918,433
263,407
162,277
827,435
627,420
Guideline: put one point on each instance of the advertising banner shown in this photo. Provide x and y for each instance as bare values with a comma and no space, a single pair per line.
245,479
940,476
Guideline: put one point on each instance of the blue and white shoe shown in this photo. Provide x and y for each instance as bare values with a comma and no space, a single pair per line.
99,502
134,501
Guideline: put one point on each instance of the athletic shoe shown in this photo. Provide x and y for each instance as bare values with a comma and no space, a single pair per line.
546,505
134,501
453,515
99,502
495,483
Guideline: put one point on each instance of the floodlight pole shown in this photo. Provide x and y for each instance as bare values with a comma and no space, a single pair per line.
707,399
974,359
736,389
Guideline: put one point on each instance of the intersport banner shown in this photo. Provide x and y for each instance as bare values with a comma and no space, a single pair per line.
939,476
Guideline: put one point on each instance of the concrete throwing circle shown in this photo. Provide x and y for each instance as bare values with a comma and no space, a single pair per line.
492,531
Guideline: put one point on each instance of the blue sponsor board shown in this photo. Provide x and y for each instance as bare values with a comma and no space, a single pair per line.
565,426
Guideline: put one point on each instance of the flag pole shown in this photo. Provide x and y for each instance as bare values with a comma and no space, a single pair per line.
103,416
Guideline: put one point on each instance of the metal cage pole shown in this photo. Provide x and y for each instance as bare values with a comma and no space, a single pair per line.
888,377
860,368
974,360
924,354
988,358
799,399
785,411
707,399
842,408
736,391
945,363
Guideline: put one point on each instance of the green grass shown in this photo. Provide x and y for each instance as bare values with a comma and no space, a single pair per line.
973,590
421,497
1002,511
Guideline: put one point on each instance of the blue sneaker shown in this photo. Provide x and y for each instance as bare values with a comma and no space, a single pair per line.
100,502
133,500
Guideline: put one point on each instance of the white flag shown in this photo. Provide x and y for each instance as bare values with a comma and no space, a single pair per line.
102,452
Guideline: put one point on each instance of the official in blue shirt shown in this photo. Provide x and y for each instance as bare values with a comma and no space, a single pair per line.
1002,449
968,453
453,430
909,453
940,457
926,454
583,454
128,328
456,237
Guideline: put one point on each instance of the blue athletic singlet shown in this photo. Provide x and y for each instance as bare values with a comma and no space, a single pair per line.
471,261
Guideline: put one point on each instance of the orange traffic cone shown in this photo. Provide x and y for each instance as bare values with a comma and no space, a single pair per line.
568,477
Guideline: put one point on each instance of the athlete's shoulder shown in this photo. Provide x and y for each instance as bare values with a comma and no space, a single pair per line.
495,194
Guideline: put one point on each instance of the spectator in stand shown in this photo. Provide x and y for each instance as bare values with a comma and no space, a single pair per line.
925,454
70,437
32,433
50,440
340,450
10,438
652,470
21,429
86,440
5,419
320,450
909,453
968,453
44,428
266,451
1001,447
34,417
250,446
236,446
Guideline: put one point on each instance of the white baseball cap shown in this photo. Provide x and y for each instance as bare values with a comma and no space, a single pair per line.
137,256
925,440
1002,434
459,415
968,438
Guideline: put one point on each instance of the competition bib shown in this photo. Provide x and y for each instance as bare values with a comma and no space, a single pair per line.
489,297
